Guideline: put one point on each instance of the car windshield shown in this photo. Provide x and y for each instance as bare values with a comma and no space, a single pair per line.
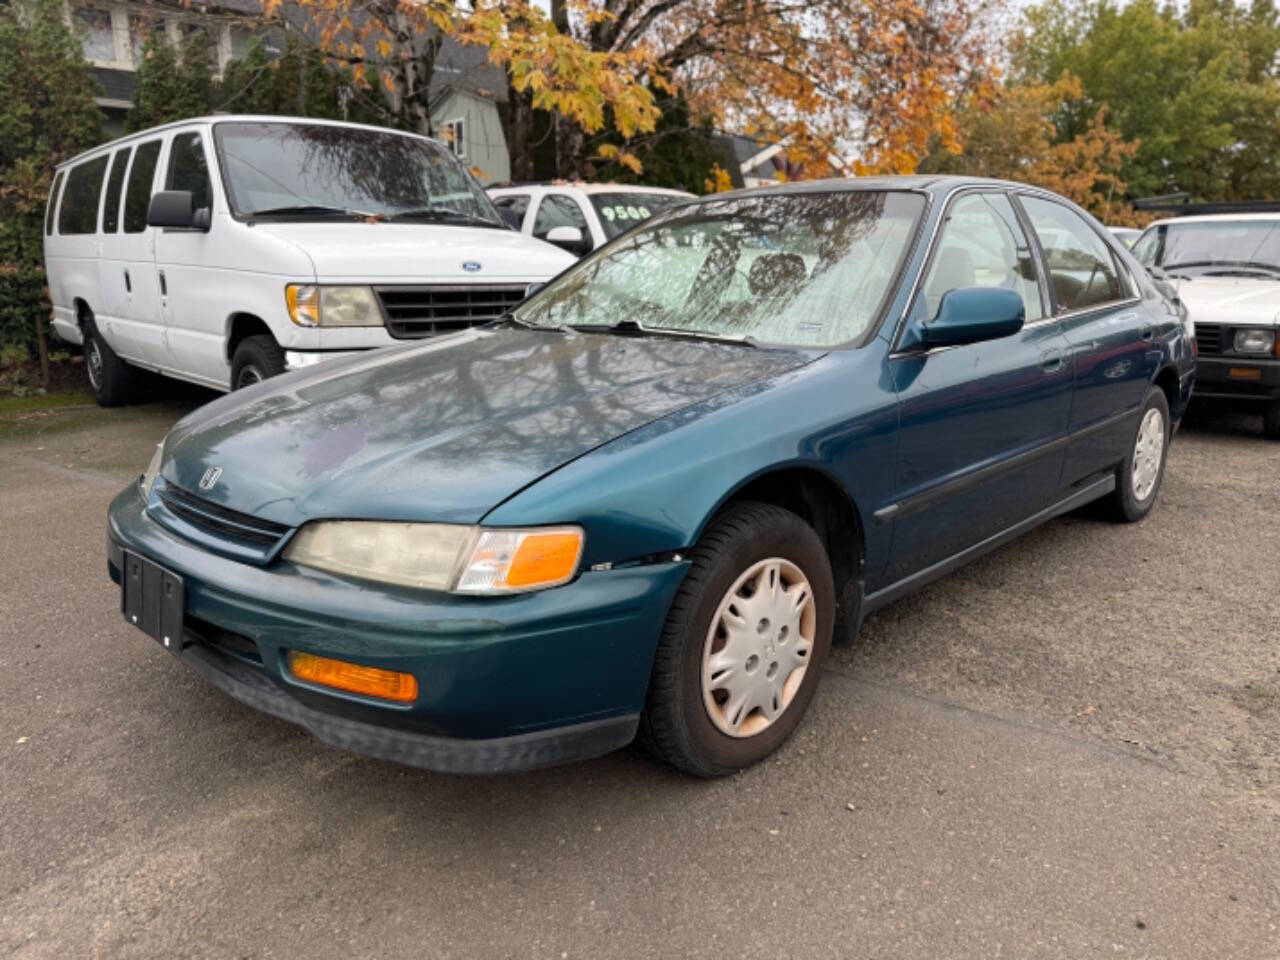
807,270
620,212
1212,247
305,170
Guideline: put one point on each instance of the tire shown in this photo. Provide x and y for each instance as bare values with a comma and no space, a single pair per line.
111,379
1271,420
1133,499
689,716
256,358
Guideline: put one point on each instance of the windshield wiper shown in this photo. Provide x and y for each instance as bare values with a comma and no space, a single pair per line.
634,328
447,215
510,317
1227,265
315,210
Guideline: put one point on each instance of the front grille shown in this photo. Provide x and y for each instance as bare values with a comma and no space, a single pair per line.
1209,339
220,521
413,312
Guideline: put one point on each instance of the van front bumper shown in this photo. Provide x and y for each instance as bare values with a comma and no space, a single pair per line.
504,683
299,359
1238,378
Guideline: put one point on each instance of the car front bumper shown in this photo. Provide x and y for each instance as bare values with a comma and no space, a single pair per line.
505,683
1238,378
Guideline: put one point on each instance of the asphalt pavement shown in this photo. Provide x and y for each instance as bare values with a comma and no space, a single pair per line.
1068,749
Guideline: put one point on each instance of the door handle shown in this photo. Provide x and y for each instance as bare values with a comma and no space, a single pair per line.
164,287
128,284
1148,332
1051,361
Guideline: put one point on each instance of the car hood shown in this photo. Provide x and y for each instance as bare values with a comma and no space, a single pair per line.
444,430
351,252
1234,300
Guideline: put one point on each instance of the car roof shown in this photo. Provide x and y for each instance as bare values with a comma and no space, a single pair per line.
226,118
588,188
1216,218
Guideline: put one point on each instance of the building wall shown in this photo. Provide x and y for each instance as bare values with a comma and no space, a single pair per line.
484,146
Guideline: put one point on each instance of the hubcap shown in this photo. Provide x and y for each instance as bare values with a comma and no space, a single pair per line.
248,376
757,648
1148,451
93,363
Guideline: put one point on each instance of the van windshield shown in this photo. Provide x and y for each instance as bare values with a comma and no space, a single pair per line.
303,171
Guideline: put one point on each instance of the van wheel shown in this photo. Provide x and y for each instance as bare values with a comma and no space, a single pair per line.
1271,420
112,381
1138,479
256,359
744,644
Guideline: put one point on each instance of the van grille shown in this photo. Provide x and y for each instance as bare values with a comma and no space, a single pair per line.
1209,339
413,312
219,521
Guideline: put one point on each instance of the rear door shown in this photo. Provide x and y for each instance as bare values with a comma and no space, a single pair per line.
983,426
1108,330
113,275
134,247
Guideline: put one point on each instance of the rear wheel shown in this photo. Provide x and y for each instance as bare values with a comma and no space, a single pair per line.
112,381
1271,420
1138,479
744,644
256,358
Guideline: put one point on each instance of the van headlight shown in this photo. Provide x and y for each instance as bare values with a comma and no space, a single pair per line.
1255,341
148,478
312,305
440,556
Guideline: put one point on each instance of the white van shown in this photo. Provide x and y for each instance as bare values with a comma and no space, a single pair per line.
227,249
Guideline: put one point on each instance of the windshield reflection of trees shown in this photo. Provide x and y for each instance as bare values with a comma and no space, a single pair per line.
745,266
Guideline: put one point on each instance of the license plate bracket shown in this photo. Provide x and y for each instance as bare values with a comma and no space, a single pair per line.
151,598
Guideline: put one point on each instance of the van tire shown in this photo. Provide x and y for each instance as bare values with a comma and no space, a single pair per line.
256,359
111,379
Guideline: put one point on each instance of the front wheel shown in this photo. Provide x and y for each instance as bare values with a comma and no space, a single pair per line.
1138,479
256,358
744,644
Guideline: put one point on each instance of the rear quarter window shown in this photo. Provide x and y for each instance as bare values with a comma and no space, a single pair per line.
53,203
78,212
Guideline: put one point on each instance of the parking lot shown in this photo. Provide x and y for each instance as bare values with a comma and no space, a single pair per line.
1069,749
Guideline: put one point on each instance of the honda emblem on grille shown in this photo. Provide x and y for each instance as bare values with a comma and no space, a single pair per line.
470,266
210,477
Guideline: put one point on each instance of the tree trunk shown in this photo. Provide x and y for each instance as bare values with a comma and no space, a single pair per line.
571,147
43,348
520,136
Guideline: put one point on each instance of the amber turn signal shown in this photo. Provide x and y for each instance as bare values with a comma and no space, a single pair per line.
544,558
354,678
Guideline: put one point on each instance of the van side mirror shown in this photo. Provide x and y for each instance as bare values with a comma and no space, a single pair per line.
174,208
970,315
568,238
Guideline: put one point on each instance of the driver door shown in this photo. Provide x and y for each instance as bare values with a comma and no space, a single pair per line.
982,426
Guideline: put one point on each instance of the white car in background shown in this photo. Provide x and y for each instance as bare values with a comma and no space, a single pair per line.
1126,235
578,217
1226,269
225,250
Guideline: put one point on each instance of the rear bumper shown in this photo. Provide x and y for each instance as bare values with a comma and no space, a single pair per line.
1238,378
504,683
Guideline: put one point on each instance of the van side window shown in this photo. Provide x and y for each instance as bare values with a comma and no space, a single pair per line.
1082,271
79,210
53,203
188,170
137,195
115,181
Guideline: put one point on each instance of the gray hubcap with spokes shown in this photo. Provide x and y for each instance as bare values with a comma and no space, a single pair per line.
93,363
1148,452
757,648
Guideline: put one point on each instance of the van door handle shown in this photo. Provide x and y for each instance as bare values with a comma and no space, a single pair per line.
1051,361
164,287
128,284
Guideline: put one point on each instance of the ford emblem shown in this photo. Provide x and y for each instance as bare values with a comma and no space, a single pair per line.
470,266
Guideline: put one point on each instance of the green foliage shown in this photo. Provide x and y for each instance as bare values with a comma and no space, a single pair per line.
173,84
47,114
1198,86
679,153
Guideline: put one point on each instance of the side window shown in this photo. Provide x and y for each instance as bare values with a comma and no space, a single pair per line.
557,210
454,136
115,182
53,203
983,245
1082,271
188,169
137,195
513,207
78,212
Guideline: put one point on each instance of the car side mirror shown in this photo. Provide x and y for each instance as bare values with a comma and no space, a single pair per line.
568,238
971,315
174,208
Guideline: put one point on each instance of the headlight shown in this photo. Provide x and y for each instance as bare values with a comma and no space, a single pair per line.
340,306
437,556
1255,341
148,479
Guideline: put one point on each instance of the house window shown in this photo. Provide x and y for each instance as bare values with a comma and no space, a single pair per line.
99,38
141,27
453,134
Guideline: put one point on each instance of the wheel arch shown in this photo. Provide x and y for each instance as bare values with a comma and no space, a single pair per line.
1167,380
241,326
